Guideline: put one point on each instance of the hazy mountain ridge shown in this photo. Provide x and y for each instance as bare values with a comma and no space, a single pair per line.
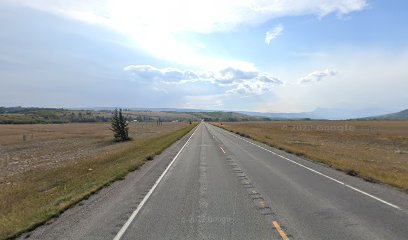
324,113
402,115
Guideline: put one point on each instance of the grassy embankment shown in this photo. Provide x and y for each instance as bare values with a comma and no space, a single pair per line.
31,198
376,151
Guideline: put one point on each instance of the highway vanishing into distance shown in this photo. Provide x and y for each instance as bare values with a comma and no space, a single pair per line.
213,184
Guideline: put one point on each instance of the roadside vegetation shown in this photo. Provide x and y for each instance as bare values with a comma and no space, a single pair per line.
55,166
376,151
29,115
120,126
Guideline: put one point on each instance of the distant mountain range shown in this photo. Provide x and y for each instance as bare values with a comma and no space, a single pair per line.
403,115
319,113
323,113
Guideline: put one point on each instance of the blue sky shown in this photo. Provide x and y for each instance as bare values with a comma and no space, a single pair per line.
269,56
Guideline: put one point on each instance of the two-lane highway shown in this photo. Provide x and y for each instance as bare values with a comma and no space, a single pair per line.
205,200
217,185
200,197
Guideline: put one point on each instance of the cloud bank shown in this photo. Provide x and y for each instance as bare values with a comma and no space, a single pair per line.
182,16
233,80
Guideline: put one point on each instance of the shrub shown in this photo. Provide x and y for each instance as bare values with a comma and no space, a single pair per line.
119,126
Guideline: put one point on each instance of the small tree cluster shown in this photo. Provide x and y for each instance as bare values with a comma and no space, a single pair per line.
159,122
119,126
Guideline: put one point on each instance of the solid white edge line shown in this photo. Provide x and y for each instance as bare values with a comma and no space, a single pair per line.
222,150
139,207
321,174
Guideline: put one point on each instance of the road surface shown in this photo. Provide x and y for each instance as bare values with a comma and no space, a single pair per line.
213,184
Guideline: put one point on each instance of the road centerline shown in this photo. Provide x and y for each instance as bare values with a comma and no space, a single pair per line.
280,231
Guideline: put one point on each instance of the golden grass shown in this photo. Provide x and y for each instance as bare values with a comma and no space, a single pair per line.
25,147
32,197
374,150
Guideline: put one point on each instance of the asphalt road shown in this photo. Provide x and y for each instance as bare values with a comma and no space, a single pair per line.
213,184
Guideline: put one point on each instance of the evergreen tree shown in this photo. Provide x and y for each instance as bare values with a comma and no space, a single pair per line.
119,126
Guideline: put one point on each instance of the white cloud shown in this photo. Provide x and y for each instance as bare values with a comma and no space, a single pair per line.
153,25
150,73
185,16
273,33
317,76
234,80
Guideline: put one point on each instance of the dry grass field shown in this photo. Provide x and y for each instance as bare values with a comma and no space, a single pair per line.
40,146
374,150
44,169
